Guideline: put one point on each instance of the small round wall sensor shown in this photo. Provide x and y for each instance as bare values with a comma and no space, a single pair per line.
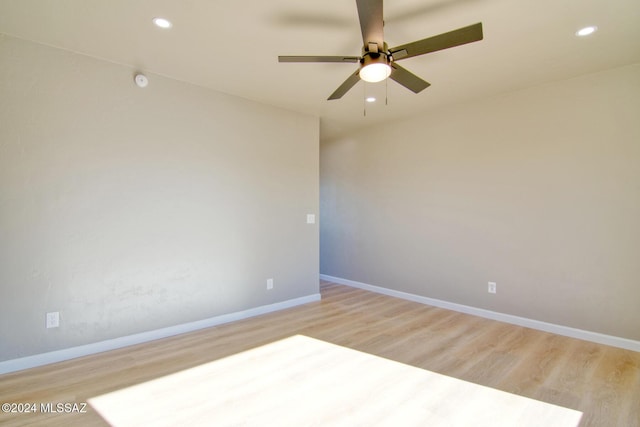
141,80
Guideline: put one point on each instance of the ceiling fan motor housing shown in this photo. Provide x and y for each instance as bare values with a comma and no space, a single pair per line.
374,58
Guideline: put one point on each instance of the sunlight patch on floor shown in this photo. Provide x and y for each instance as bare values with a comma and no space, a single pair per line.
301,381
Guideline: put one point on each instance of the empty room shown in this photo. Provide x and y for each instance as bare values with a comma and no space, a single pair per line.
353,213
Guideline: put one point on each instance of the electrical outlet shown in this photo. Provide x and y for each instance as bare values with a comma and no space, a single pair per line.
492,288
53,319
269,283
311,219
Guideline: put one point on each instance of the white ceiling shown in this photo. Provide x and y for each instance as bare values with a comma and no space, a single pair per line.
232,46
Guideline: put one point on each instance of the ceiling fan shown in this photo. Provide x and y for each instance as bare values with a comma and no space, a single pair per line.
378,61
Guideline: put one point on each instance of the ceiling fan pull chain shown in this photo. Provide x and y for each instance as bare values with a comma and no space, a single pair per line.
364,99
386,92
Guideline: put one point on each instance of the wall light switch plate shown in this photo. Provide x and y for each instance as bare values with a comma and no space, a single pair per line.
269,283
492,287
311,219
53,319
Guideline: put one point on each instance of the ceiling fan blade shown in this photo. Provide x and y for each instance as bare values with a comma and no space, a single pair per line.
318,58
371,22
344,87
408,79
472,33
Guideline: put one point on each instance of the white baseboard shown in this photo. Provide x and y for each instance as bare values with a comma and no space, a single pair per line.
112,344
502,317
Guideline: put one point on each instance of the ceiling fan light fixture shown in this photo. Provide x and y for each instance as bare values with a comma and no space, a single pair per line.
375,67
375,72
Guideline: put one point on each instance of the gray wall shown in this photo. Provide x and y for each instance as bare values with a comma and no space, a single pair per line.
537,190
129,209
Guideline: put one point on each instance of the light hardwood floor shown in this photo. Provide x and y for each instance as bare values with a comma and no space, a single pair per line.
600,381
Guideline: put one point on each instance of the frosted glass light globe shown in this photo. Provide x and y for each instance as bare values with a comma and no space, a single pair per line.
375,72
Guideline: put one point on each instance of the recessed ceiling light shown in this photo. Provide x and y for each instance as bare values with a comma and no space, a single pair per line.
162,22
586,31
371,99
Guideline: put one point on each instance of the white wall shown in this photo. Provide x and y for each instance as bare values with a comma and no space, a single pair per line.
537,190
129,209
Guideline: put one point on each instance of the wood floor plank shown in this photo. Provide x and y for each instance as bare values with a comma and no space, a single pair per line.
600,381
